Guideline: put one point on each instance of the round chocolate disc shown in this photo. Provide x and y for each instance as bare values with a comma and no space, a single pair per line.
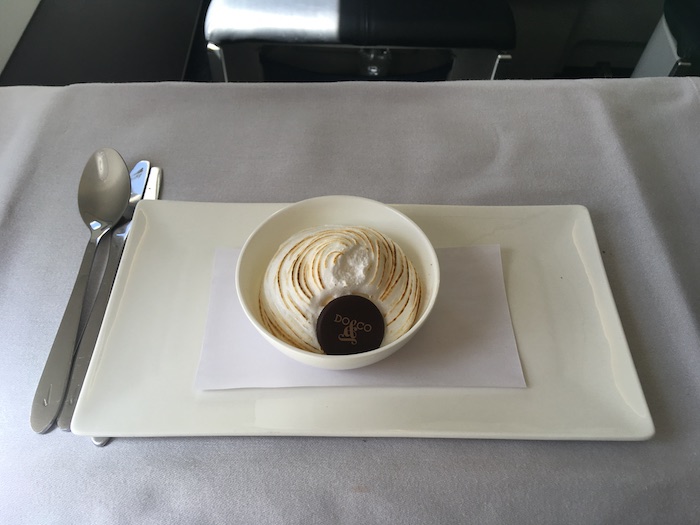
349,325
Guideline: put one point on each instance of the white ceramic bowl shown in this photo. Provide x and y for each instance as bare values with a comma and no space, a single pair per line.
263,243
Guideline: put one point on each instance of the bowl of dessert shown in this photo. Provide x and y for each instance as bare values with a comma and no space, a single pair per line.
337,282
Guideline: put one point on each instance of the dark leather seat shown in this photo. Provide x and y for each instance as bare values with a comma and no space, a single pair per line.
428,23
387,38
683,19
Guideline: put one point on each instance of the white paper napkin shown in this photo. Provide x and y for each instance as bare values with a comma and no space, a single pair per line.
468,340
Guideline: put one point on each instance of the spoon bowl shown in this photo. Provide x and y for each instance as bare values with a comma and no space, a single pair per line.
104,190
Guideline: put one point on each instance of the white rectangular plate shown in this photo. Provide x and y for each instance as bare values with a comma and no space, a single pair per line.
582,383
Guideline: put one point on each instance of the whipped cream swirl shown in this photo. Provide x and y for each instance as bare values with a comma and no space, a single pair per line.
319,264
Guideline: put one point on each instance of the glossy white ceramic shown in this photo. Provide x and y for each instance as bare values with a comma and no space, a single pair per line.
263,243
581,380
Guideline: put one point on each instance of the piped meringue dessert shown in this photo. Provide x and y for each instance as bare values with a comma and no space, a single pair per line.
317,265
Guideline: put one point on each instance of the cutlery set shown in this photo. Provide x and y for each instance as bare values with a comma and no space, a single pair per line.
107,197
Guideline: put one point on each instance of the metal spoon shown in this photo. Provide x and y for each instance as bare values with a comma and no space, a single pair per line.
83,354
103,195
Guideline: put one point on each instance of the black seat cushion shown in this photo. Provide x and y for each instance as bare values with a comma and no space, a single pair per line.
486,24
683,19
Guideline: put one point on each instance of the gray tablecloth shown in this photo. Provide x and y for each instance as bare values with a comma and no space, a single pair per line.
629,150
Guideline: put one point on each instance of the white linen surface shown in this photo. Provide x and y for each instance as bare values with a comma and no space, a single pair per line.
467,341
629,150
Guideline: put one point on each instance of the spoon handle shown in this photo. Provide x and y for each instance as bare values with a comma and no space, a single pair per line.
87,342
51,390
